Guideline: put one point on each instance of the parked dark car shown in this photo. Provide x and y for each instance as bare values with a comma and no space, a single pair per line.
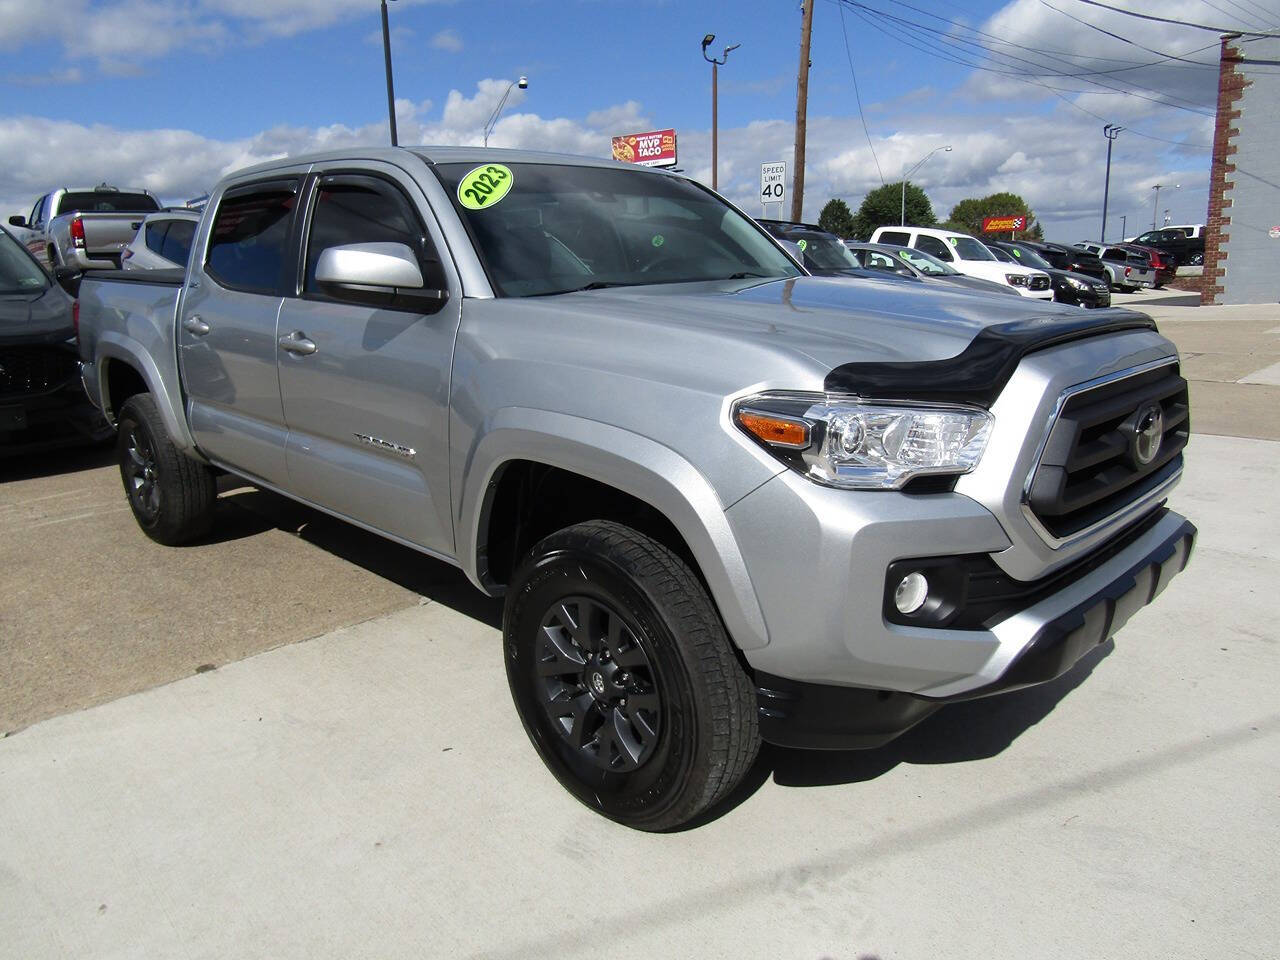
1162,262
908,261
1069,286
1184,244
1062,257
42,401
824,254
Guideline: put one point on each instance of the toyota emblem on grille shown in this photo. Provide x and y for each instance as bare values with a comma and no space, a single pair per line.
1148,431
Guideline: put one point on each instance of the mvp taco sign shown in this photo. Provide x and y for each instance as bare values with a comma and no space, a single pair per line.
656,148
1001,224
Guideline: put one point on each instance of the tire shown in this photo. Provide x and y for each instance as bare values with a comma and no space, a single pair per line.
172,496
624,677
1196,260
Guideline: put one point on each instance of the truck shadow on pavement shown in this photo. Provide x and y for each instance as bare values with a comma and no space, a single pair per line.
51,463
958,733
245,511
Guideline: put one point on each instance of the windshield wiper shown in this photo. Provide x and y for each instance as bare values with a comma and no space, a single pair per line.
593,285
745,275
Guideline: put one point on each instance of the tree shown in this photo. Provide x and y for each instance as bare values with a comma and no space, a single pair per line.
882,207
969,214
837,218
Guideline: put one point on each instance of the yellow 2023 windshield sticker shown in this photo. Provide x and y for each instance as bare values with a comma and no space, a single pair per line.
485,186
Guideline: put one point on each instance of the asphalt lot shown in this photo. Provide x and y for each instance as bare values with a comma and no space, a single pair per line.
369,792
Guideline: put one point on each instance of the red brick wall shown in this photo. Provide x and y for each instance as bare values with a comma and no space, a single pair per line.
1231,86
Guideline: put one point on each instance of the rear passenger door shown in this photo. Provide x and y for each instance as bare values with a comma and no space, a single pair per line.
227,331
934,247
366,397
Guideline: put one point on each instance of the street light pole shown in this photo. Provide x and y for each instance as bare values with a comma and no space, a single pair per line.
391,96
1110,131
715,100
902,219
1124,225
523,84
1155,206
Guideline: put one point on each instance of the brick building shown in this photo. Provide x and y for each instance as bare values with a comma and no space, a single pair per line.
1242,233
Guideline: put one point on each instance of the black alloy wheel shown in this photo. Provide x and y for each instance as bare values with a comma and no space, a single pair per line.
597,684
172,496
624,677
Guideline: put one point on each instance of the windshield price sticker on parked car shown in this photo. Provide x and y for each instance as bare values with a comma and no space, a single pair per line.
485,186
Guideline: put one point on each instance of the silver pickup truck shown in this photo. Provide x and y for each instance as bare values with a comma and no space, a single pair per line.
84,228
726,502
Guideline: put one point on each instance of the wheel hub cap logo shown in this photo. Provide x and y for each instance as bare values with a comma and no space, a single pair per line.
1148,431
597,683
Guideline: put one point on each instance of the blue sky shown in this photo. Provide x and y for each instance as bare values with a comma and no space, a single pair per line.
171,94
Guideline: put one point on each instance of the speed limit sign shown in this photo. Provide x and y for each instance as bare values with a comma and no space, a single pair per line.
773,182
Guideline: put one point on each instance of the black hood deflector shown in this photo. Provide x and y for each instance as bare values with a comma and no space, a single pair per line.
980,371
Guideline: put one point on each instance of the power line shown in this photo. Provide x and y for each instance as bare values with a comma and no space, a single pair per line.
1242,12
1180,23
1123,39
1164,98
858,95
1023,79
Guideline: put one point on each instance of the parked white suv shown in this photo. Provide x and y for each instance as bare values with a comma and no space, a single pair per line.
970,256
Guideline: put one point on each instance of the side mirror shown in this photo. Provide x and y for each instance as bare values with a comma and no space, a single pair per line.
68,279
382,265
380,274
17,221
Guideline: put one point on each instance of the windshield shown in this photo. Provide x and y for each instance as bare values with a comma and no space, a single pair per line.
106,201
548,228
967,248
927,263
18,272
825,252
1029,258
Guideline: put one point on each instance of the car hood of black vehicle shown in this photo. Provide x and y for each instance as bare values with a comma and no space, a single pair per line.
41,317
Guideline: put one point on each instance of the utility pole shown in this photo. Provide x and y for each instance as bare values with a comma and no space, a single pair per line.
1155,204
1110,131
391,96
802,112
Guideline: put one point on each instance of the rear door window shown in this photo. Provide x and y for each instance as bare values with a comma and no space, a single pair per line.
250,235
155,235
895,238
177,241
934,247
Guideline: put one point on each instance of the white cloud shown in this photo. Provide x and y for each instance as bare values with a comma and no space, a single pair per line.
626,117
462,112
447,40
51,78
116,29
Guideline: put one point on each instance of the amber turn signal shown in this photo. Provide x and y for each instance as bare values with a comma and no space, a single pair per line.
775,430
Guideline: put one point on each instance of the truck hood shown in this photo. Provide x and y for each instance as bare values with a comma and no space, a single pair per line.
37,318
831,321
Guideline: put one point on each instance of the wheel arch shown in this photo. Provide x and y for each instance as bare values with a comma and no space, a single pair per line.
603,469
122,371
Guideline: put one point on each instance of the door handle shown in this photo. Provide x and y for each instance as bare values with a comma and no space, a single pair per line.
297,343
195,325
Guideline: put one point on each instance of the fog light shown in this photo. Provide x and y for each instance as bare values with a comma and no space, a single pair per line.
912,592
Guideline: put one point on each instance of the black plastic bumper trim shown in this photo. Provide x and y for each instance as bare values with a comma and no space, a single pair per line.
794,713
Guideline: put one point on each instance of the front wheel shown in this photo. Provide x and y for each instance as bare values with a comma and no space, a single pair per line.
172,496
624,678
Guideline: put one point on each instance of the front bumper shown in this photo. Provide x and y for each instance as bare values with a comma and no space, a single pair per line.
821,589
1099,296
59,418
1050,638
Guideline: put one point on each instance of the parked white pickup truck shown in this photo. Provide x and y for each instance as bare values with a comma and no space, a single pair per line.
84,227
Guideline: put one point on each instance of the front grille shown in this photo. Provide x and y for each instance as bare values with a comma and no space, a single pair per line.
1040,283
29,371
1092,466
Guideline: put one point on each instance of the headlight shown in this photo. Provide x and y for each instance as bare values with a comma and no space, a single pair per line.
1016,279
1079,284
865,445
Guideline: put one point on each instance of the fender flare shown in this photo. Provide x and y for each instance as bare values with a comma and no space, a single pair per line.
631,463
113,346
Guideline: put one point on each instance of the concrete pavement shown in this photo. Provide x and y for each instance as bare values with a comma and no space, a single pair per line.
370,793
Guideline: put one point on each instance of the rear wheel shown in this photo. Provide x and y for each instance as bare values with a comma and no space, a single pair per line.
624,677
172,496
